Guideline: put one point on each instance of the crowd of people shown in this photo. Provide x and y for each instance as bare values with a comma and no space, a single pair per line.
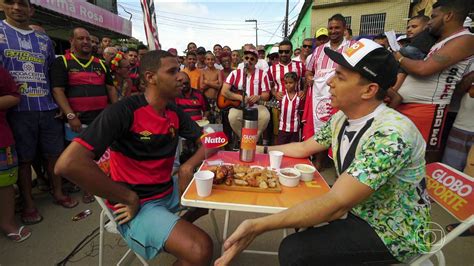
375,114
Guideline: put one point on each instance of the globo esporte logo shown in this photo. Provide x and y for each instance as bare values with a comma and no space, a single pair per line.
214,140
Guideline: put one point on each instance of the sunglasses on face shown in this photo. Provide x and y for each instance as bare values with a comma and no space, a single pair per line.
251,59
307,46
284,51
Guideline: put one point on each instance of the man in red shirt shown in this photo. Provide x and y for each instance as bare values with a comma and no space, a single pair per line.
142,132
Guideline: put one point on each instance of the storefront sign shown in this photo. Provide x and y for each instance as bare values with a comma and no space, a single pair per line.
452,189
82,10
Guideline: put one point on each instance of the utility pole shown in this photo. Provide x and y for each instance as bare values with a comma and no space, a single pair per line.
256,29
286,18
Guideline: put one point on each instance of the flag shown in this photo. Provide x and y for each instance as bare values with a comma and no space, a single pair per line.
149,21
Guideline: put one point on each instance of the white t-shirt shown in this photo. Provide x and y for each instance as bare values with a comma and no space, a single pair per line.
351,131
464,119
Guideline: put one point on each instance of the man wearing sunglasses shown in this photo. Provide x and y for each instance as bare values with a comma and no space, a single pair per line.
256,88
261,63
277,72
306,50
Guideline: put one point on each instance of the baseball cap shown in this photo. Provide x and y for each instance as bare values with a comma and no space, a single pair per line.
251,50
200,50
321,32
467,22
260,48
370,59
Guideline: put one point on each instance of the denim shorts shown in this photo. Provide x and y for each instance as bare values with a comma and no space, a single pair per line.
32,129
147,232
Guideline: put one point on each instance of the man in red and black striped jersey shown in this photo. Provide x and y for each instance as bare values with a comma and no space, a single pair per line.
254,82
132,55
142,132
191,100
82,84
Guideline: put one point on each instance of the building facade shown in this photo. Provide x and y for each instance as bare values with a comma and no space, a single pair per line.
59,17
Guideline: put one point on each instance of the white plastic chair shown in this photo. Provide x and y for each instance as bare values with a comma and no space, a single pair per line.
111,227
465,223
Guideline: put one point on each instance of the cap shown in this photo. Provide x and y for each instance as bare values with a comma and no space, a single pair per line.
251,51
369,59
402,37
173,51
260,48
321,32
274,50
467,22
200,50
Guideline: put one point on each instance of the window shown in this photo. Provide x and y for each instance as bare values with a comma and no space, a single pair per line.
348,21
372,24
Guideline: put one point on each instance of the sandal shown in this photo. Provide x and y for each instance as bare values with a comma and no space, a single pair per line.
20,236
88,198
450,227
67,202
30,217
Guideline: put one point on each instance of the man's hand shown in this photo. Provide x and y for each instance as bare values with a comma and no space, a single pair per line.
185,174
75,124
125,213
253,99
238,241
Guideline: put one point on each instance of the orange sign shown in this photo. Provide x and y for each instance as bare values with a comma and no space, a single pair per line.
451,189
354,48
249,139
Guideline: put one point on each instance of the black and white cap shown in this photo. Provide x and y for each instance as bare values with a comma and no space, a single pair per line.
370,59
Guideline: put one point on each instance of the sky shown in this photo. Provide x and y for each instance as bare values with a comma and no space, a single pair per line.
209,22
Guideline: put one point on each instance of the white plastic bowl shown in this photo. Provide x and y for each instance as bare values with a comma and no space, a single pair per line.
289,181
306,170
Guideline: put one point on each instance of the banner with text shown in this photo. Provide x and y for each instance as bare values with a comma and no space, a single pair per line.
452,189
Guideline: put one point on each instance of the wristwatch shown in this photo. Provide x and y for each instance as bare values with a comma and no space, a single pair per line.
70,116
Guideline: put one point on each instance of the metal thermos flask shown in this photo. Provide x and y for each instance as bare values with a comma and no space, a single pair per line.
248,143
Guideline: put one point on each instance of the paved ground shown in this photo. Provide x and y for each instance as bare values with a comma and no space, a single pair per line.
55,237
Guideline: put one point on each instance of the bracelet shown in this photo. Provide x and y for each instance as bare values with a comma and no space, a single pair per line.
400,59
265,149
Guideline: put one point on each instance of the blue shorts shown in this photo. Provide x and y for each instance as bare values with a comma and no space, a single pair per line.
33,129
147,232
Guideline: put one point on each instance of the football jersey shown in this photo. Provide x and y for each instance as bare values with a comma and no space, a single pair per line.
28,55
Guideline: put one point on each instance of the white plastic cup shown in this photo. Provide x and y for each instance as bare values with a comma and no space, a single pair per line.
204,182
275,159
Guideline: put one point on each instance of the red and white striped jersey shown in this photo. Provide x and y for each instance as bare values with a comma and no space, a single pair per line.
319,60
277,72
257,83
289,117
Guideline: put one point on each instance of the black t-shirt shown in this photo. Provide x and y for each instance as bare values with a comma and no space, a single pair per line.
423,41
59,73
142,143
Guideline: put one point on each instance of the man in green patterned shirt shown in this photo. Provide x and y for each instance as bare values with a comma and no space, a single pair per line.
377,209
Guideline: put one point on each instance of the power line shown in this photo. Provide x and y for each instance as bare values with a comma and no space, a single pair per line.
158,11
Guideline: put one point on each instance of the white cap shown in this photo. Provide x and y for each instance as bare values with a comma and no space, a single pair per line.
274,50
467,22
